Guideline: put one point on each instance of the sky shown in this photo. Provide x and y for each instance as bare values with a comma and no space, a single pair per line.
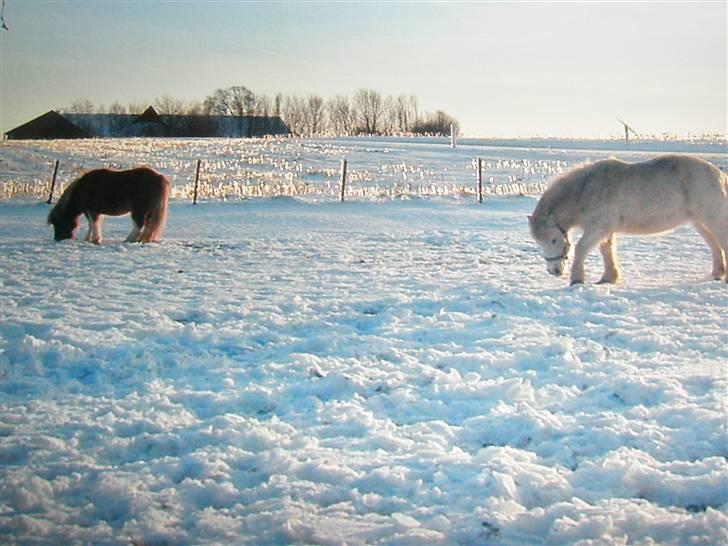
502,69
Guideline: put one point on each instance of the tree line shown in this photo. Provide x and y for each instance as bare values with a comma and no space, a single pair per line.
366,112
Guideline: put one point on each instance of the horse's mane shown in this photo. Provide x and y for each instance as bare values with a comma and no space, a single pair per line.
63,201
570,184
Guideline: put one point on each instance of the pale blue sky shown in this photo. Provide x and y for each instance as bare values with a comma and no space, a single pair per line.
500,68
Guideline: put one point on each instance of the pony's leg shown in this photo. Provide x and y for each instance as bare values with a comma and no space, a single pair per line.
586,244
90,231
94,228
134,234
719,257
612,272
137,231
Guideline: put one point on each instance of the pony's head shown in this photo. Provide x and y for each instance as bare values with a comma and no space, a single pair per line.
553,240
63,224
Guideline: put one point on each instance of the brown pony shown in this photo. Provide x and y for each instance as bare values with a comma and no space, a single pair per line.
142,191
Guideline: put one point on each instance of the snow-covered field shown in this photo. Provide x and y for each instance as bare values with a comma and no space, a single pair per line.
293,370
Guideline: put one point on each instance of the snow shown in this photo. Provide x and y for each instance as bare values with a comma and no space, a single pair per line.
383,371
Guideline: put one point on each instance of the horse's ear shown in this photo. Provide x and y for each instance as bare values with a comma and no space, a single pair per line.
530,219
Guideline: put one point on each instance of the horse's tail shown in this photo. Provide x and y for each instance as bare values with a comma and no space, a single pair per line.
157,217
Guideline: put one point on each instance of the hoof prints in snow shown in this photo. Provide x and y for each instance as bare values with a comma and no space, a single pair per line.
298,384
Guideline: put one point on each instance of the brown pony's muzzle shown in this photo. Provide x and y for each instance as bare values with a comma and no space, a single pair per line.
62,230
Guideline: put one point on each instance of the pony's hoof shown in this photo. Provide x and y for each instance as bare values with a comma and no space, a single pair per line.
576,282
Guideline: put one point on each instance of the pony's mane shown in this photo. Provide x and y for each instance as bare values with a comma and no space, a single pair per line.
569,183
63,200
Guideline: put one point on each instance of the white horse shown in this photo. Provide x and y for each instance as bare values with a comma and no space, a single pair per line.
612,196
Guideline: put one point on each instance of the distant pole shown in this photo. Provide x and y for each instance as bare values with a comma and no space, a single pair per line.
342,189
479,175
53,182
197,180
627,130
452,135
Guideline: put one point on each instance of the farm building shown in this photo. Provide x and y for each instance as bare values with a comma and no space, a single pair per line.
52,125
48,126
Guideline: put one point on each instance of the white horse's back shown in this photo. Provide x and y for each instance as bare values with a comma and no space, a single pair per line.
653,196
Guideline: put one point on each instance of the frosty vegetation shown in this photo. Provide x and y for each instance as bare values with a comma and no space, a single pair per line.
396,369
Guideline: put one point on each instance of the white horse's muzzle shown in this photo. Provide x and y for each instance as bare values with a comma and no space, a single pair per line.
555,267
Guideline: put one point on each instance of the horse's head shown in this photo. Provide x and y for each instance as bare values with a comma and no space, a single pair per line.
63,224
554,242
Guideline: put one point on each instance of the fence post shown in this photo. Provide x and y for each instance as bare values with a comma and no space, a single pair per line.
197,180
53,182
342,189
479,175
452,135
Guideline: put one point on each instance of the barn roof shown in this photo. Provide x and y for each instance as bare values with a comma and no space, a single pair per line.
47,126
148,116
53,125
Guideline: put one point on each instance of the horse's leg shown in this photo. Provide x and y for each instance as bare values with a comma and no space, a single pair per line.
134,234
586,244
137,221
94,228
89,233
612,272
719,257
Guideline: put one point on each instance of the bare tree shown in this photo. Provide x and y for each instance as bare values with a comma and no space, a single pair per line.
437,124
194,108
314,115
369,110
404,113
341,116
219,103
117,108
233,101
244,100
294,114
167,105
81,106
237,101
263,105
388,124
136,108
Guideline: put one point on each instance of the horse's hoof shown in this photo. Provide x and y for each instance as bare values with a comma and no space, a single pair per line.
576,282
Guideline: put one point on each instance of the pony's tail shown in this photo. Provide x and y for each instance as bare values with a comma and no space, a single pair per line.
154,224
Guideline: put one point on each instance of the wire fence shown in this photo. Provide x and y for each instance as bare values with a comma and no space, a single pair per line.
259,168
377,168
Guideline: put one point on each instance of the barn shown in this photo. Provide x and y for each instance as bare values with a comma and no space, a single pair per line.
50,125
53,125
